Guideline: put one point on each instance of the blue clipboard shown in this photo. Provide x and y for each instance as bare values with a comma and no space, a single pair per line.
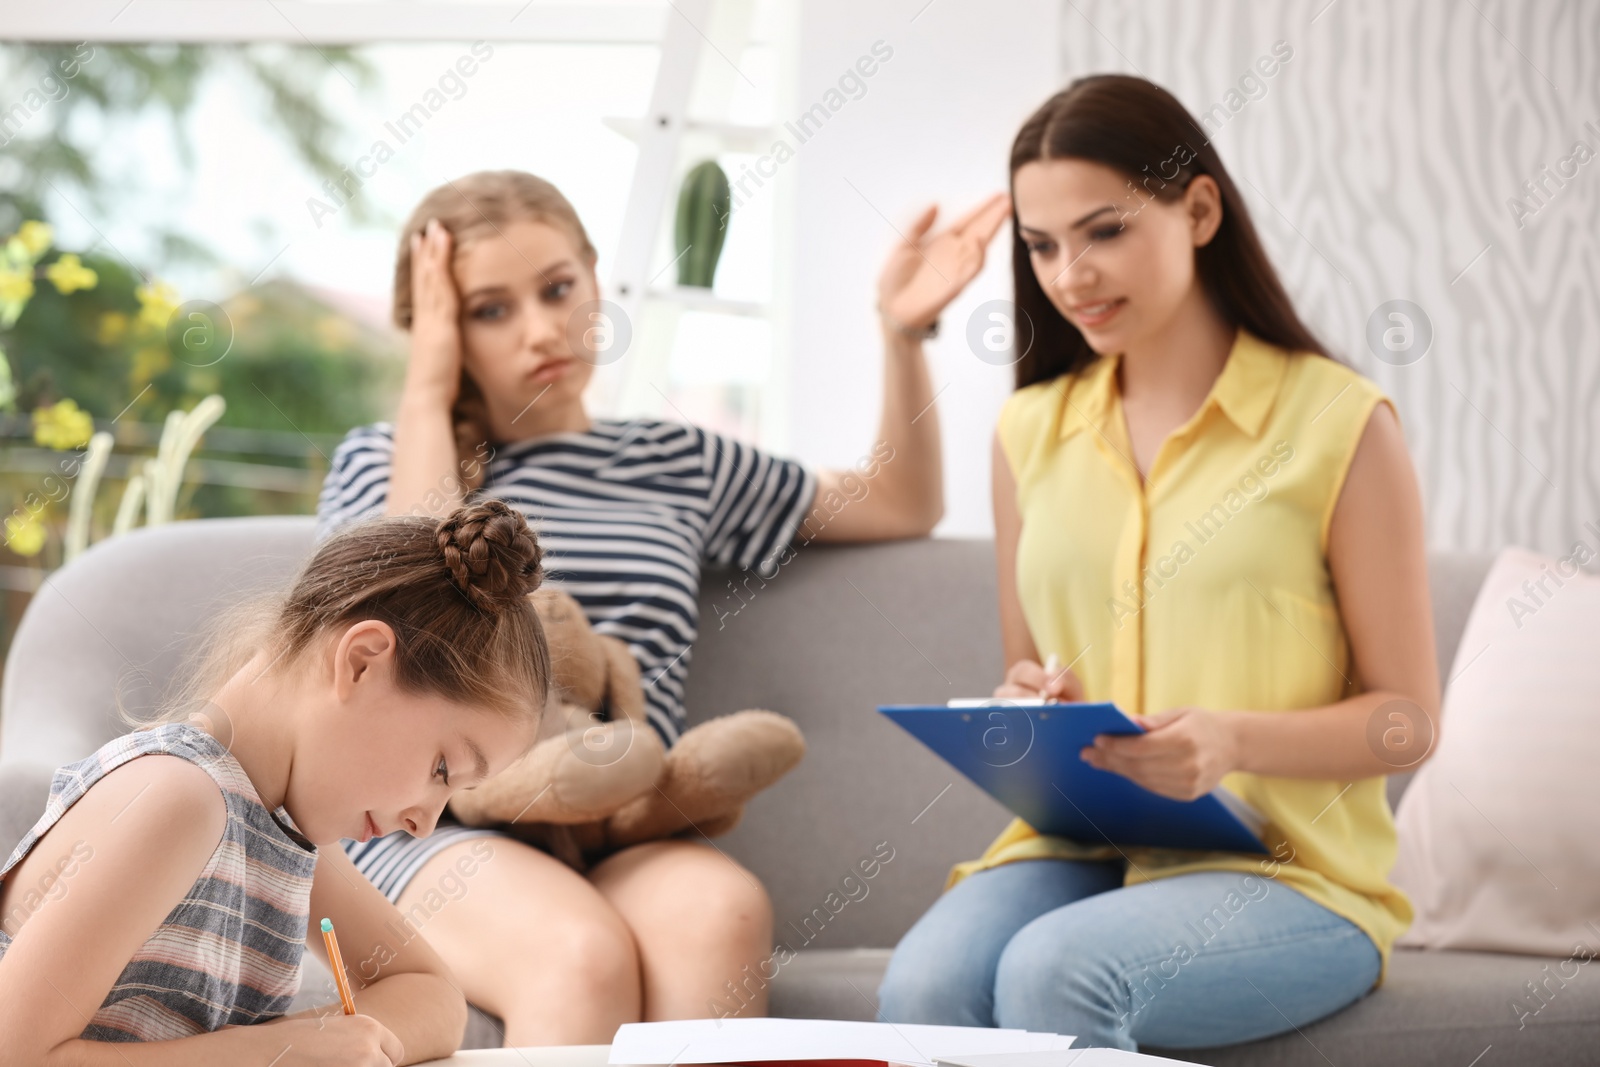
1025,755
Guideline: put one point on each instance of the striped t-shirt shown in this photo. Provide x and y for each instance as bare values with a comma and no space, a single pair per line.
229,952
628,513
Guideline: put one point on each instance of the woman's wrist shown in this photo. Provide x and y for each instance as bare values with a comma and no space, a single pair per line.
1236,728
426,398
894,326
898,344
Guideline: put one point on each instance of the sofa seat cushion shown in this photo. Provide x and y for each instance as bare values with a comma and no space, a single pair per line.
1436,1007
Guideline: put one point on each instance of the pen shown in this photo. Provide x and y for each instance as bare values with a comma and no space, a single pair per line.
1052,666
336,963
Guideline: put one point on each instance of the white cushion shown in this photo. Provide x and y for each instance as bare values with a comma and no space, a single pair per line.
1500,829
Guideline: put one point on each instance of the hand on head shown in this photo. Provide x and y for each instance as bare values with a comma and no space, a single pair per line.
435,364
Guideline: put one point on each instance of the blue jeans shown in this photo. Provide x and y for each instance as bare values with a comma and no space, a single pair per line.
1189,961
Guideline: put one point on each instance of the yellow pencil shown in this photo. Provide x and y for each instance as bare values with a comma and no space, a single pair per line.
336,963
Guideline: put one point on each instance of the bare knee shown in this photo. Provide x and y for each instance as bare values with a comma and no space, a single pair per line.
594,955
736,905
683,892
539,947
578,957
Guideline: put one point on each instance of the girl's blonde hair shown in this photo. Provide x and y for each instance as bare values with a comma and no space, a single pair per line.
454,590
472,208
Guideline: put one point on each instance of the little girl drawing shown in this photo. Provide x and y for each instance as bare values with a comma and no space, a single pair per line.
163,903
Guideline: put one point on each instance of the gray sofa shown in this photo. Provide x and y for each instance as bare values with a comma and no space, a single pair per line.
837,631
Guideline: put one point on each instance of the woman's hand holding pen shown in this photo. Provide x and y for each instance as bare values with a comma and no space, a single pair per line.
1027,680
1184,753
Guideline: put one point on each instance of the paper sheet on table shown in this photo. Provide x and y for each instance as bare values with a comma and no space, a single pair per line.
752,1040
1081,1057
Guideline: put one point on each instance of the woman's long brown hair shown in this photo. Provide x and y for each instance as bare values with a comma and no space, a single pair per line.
1138,128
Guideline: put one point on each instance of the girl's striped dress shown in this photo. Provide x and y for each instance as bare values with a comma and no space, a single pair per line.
229,952
629,513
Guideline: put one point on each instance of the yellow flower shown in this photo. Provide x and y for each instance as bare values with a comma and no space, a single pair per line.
35,237
62,425
24,535
69,275
16,286
157,302
113,327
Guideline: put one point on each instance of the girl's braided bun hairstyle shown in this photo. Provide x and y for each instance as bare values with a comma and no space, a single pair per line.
491,554
454,590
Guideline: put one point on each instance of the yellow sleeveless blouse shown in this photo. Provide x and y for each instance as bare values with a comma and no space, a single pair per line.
1206,584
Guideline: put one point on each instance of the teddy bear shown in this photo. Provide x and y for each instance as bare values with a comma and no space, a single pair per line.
594,783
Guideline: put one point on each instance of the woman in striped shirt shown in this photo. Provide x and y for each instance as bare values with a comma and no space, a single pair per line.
158,910
495,281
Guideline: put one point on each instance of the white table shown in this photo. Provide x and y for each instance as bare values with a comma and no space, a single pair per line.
548,1056
596,1055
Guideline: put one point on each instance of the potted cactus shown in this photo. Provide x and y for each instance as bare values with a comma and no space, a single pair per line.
704,203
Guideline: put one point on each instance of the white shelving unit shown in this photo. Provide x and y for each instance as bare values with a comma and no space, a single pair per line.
687,121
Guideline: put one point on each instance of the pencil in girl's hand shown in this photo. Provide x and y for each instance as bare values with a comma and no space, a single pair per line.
1052,667
336,963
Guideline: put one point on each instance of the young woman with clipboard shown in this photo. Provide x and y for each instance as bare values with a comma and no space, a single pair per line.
1216,525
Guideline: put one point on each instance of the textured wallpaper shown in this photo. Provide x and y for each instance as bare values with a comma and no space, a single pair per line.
1426,176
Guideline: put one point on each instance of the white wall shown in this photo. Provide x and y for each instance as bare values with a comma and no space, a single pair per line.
1386,161
1397,156
934,124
